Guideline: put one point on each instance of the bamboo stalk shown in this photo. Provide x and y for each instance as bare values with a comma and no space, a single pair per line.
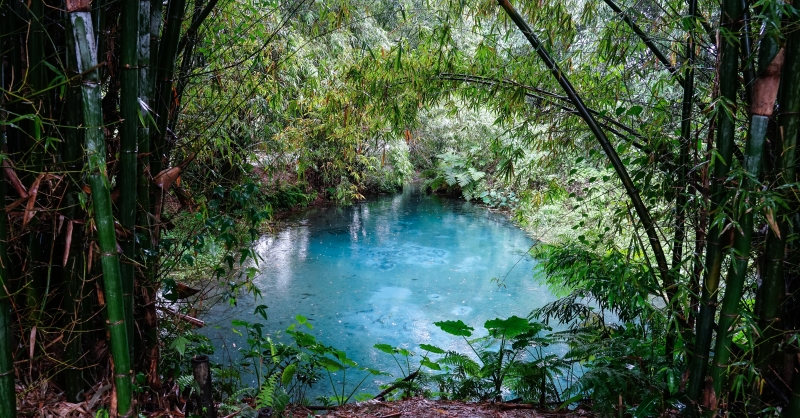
148,346
86,54
749,71
681,198
72,156
197,20
772,292
793,410
167,55
729,314
619,167
647,41
33,157
762,99
129,136
186,62
726,114
8,401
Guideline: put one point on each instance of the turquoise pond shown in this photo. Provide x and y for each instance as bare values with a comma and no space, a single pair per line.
383,271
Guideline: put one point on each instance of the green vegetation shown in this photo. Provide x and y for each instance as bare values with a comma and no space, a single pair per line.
650,145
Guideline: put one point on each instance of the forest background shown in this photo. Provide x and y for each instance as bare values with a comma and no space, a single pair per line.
650,145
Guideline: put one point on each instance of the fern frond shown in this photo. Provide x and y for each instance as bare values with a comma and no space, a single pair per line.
266,394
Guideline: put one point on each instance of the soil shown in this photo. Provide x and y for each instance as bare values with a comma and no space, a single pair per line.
428,408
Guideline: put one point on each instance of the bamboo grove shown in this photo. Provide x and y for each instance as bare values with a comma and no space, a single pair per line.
112,111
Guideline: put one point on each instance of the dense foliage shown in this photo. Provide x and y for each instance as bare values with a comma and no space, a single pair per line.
651,145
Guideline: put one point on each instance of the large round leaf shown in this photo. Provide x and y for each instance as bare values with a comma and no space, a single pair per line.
457,328
507,328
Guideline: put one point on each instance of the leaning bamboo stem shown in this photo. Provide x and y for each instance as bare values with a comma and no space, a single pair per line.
646,39
86,54
619,167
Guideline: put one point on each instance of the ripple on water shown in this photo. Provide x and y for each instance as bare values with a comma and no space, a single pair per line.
386,258
461,310
390,293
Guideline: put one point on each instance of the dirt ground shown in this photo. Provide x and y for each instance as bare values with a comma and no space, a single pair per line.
427,408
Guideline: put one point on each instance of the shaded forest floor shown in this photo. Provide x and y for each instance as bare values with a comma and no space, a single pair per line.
48,403
429,408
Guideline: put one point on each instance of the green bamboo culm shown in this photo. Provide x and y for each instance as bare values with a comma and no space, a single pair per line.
32,160
619,167
729,313
726,113
762,99
746,49
129,138
8,400
793,410
78,310
681,197
167,54
147,346
86,54
647,40
772,292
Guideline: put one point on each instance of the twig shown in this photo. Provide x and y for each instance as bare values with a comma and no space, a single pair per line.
394,386
199,323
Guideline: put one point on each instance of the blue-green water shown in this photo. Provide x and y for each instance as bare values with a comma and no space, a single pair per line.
383,271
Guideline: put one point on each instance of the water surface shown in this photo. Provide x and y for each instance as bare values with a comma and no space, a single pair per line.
383,271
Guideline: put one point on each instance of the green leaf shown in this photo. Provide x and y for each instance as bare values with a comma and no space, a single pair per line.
303,321
179,344
261,310
240,323
288,374
432,348
430,364
507,328
330,365
457,328
634,111
386,348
